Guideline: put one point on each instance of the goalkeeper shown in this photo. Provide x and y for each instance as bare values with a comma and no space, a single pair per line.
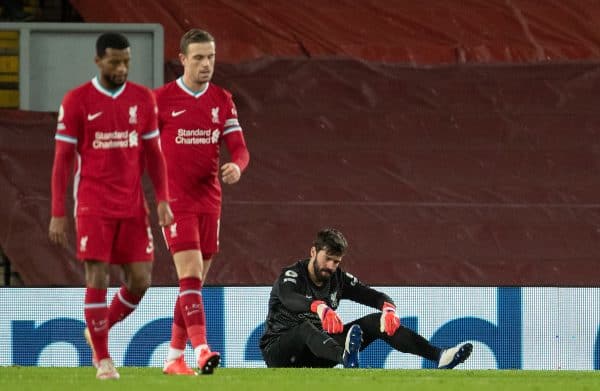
303,329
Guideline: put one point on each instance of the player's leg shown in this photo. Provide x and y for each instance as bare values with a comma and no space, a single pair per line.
304,346
173,234
184,241
175,362
95,309
404,339
137,277
134,252
188,264
208,230
206,264
408,341
351,339
179,237
94,239
210,227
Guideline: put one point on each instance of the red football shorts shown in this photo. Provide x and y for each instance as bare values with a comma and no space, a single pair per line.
114,240
194,231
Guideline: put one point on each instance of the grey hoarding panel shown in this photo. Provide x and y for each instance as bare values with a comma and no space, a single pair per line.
55,57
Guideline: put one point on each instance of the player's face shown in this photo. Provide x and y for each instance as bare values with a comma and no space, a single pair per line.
114,66
199,62
325,264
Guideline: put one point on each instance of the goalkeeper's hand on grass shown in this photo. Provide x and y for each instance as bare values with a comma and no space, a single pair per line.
331,322
389,321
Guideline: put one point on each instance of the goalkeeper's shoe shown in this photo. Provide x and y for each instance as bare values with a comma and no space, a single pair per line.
178,367
106,370
449,358
350,357
88,339
208,361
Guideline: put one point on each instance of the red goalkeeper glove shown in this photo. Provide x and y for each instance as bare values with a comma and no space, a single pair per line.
389,321
331,322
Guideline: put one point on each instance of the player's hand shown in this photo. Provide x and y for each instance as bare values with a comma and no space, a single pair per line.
58,230
230,173
389,321
165,215
330,320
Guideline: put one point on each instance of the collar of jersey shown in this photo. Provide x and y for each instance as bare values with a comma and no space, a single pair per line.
185,88
112,94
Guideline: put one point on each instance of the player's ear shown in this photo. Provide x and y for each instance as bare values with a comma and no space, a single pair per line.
313,252
182,59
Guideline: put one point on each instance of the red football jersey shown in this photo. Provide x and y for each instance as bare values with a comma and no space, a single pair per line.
108,128
192,126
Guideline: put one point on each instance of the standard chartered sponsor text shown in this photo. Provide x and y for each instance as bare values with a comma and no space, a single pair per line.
113,139
194,136
114,135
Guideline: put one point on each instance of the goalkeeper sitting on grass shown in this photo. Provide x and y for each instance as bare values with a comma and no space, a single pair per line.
303,329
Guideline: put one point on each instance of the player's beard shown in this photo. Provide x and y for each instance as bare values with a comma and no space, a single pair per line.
204,75
322,275
116,81
202,79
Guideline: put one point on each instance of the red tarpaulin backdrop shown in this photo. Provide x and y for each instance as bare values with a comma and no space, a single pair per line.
462,175
407,31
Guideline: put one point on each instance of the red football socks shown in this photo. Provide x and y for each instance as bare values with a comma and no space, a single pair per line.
96,318
192,309
178,330
122,305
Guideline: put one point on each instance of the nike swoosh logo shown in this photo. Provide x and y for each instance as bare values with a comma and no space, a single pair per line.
177,113
92,117
327,340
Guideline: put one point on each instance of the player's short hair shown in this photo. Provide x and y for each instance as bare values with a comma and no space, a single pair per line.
332,241
110,40
194,36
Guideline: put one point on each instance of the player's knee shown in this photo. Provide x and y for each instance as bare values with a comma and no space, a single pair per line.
96,274
374,318
371,325
191,270
139,284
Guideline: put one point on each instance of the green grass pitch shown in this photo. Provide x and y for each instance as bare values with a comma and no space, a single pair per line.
148,379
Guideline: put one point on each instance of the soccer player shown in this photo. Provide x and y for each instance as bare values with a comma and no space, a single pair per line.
195,117
303,329
110,126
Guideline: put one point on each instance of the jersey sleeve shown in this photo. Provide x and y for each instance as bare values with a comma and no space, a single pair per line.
157,93
234,136
66,137
236,145
64,153
232,123
157,168
150,128
69,120
356,291
291,286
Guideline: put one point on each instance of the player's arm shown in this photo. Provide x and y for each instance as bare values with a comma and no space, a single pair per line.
64,154
157,94
356,291
353,289
66,138
291,296
291,287
156,164
157,170
236,145
240,157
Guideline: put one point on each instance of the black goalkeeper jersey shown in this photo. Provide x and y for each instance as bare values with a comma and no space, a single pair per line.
294,291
